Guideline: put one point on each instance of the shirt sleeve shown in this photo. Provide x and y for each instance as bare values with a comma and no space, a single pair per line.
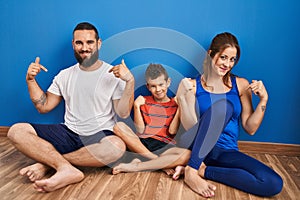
54,87
119,90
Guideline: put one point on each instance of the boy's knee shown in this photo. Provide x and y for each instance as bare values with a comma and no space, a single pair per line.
119,127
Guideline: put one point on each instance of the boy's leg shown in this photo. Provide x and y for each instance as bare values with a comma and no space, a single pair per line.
132,141
169,159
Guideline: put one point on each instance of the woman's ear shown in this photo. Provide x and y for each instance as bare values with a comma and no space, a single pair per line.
209,52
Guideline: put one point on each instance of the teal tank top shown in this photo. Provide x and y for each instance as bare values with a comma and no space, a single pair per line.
229,137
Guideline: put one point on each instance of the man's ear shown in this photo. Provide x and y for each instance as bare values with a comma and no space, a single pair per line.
99,43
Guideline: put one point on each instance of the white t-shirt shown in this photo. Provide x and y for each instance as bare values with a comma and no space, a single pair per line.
88,98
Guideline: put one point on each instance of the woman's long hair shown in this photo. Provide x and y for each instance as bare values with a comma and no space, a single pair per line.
219,43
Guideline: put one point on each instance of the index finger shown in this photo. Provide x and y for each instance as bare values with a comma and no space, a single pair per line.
43,68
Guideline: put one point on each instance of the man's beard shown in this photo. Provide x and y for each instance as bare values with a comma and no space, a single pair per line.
87,62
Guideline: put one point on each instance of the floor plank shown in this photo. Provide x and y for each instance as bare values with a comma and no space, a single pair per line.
100,184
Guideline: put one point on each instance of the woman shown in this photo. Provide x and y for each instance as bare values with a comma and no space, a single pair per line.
225,102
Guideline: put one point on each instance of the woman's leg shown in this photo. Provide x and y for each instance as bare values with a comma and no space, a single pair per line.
243,172
210,126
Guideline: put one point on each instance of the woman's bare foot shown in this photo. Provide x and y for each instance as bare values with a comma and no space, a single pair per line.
198,184
65,176
179,170
35,172
126,167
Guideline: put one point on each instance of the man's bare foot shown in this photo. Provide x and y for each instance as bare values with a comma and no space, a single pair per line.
65,176
178,171
198,184
34,172
126,167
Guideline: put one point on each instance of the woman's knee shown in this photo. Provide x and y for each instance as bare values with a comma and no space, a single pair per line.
275,184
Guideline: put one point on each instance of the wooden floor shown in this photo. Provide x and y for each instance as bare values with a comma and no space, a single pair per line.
100,184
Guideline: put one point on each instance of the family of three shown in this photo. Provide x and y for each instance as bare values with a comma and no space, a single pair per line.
96,93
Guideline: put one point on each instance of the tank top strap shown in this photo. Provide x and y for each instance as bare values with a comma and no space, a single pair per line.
234,85
199,87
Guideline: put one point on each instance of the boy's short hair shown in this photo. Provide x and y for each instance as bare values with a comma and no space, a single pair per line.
155,70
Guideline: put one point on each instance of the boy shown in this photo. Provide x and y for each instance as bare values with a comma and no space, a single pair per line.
156,120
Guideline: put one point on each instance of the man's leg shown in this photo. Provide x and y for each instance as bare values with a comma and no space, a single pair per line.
25,139
108,150
132,140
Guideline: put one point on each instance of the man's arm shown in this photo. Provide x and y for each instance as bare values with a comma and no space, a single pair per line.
123,105
44,102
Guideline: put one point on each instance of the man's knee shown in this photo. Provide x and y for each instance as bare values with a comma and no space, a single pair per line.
116,146
16,131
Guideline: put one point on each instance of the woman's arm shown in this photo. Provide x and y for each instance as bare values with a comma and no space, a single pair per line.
186,101
251,119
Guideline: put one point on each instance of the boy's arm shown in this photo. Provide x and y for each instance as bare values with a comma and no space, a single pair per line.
138,118
174,126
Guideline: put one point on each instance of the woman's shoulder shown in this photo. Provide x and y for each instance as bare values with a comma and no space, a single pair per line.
242,83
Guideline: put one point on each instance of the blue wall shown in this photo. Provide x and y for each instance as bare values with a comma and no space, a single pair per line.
268,32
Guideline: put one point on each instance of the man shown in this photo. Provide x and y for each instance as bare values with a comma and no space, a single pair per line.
94,93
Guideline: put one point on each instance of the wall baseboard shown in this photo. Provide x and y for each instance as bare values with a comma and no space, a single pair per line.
3,130
244,146
269,148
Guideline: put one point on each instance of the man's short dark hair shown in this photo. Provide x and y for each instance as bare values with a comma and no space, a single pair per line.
86,26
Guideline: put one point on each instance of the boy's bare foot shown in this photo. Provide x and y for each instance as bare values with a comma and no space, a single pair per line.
198,184
169,172
34,172
126,167
178,171
65,176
